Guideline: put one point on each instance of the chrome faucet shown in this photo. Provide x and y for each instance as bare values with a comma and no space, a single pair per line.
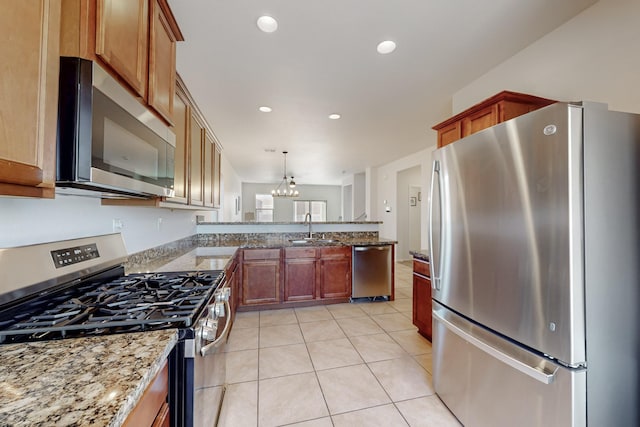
308,215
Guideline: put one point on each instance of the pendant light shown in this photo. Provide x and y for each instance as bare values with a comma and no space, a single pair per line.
284,192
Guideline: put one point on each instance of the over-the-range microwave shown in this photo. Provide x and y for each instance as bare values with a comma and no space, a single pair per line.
109,144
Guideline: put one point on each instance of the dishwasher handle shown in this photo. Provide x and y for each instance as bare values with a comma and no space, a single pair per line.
370,248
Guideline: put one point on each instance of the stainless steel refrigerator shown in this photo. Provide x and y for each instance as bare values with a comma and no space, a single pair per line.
535,253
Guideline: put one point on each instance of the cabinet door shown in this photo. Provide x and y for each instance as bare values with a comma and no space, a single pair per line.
422,304
196,137
122,37
208,169
449,134
299,274
182,113
217,160
260,282
29,97
335,272
162,63
480,120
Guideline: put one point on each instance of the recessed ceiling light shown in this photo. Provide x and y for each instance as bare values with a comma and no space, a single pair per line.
265,109
334,116
386,46
267,24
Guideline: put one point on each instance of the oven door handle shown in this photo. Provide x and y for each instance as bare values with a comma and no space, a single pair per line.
209,348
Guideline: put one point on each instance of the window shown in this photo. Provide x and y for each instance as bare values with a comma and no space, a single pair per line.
264,208
318,209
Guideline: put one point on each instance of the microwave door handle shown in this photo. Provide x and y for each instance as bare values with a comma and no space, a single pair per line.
435,264
211,347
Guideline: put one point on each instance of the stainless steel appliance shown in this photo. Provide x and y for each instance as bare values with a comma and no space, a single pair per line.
79,289
108,142
371,271
535,273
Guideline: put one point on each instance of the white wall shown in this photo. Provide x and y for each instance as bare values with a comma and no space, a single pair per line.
593,57
384,185
406,223
359,196
231,189
28,221
283,208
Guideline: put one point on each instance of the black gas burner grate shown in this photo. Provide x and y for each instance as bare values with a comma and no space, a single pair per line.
128,303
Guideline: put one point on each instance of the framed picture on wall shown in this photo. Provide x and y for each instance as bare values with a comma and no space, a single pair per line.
412,201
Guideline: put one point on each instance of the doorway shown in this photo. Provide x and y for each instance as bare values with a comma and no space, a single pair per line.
409,201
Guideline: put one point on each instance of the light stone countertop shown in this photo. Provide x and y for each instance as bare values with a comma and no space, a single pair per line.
94,381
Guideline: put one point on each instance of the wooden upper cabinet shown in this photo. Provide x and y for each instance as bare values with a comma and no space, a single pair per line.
134,40
196,153
208,169
122,39
497,109
30,32
162,61
217,160
181,127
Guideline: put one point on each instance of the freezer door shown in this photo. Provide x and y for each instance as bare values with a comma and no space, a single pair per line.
487,381
507,230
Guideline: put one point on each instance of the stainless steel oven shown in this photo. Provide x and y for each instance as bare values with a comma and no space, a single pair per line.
80,289
108,141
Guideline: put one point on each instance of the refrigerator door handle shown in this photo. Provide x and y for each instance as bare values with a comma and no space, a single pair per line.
435,266
532,371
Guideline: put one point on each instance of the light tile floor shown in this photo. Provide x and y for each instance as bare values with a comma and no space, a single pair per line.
359,364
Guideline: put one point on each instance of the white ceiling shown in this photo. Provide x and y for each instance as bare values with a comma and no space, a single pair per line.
323,60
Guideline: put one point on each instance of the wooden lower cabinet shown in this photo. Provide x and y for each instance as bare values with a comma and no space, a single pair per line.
422,297
299,274
152,408
260,276
310,275
335,272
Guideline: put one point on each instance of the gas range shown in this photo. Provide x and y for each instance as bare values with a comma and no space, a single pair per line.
78,288
118,303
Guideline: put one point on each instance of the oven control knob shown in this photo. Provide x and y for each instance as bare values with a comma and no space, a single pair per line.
209,329
218,309
222,295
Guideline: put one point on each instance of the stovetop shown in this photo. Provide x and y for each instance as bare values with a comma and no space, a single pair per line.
125,303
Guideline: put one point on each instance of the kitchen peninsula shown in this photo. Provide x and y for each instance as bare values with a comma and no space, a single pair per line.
271,265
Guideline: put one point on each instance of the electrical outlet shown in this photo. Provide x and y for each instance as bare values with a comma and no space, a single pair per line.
159,224
117,225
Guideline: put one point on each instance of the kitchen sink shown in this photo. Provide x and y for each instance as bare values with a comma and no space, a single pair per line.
301,241
308,241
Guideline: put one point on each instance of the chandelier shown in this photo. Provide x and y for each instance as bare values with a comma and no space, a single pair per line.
287,186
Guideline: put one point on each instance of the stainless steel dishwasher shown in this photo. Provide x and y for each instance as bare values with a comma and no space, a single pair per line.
371,274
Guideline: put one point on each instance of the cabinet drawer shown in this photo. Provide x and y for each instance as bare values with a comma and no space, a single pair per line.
261,254
337,251
421,267
299,253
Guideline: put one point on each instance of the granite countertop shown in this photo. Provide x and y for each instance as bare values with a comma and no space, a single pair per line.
289,242
422,254
93,381
217,256
288,222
